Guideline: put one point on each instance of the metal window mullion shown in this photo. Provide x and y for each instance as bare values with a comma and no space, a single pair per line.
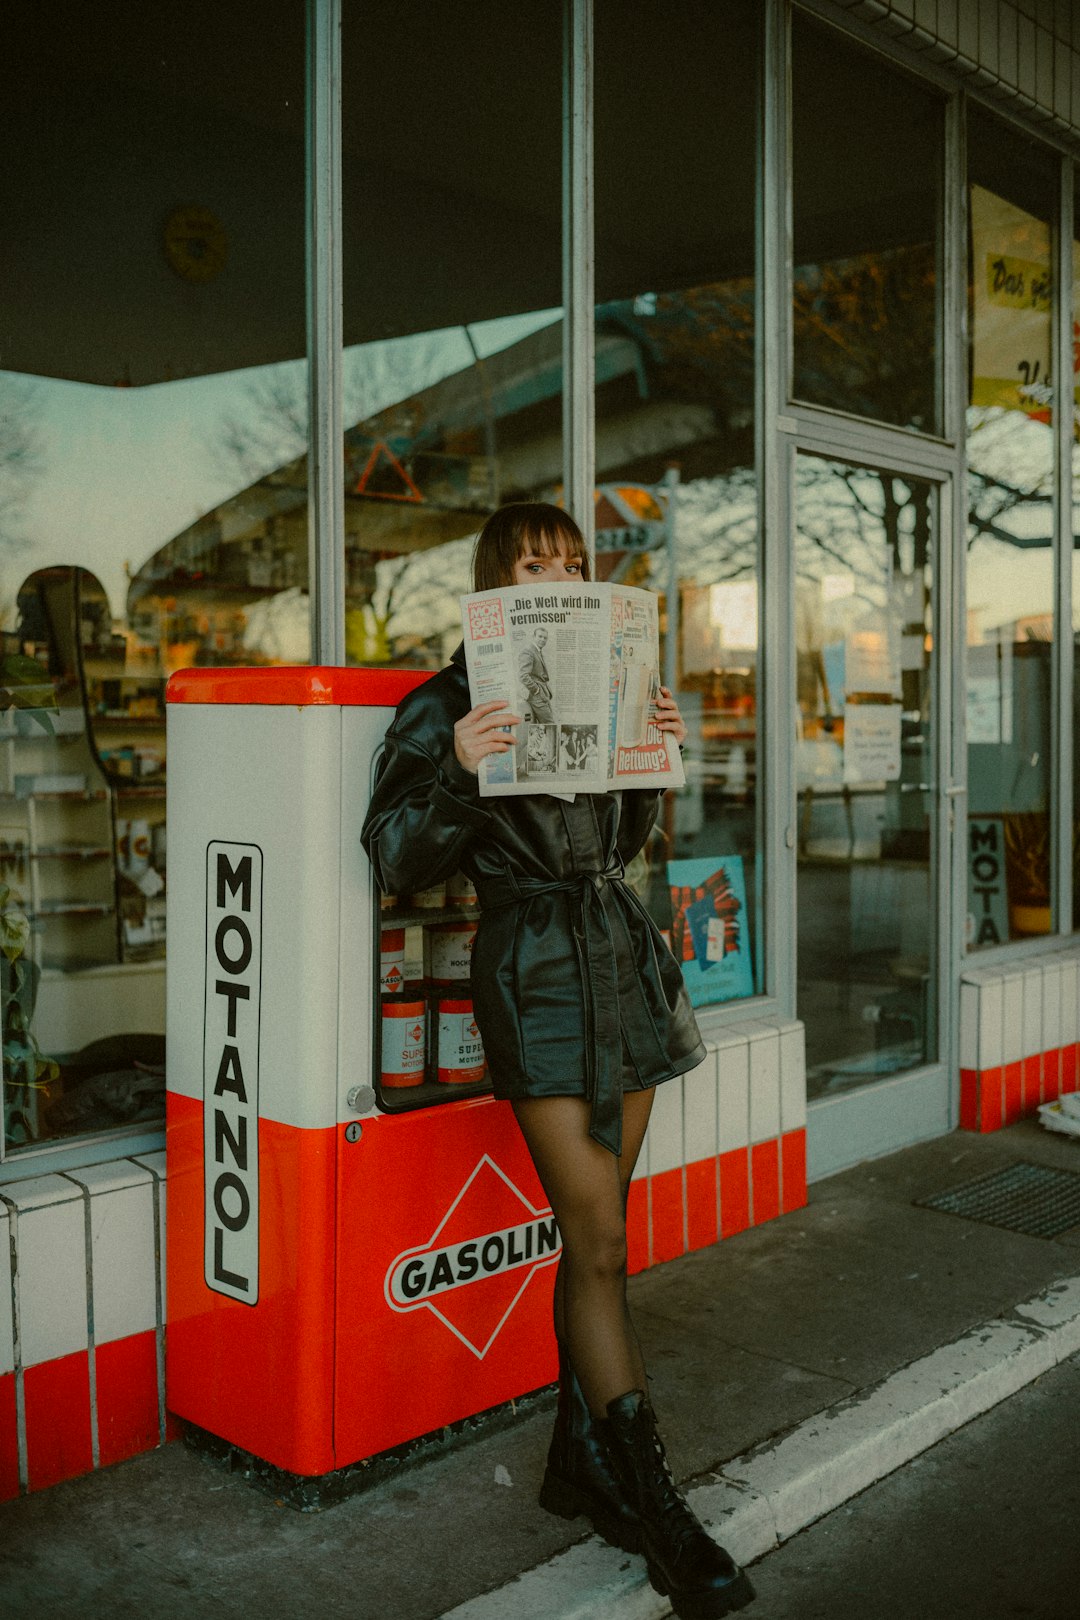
1061,809
950,618
323,282
776,806
578,276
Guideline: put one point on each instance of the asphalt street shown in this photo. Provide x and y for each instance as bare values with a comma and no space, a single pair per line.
984,1526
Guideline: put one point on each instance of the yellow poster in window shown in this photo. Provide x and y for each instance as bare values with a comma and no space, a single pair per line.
1013,289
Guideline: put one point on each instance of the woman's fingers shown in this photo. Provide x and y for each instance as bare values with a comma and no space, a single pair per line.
484,730
668,717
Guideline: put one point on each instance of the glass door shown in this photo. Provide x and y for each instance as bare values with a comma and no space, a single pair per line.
870,922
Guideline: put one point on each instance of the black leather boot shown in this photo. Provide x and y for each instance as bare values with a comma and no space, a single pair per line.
578,1477
684,1563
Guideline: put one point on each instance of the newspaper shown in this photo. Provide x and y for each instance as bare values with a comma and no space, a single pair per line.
580,664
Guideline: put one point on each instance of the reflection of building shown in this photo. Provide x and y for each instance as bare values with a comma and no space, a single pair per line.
806,451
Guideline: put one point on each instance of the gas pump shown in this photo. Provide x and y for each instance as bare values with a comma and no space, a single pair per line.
359,1251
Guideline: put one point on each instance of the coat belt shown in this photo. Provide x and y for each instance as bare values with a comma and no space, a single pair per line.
599,984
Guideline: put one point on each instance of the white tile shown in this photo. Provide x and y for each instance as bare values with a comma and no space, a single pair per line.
641,1172
1070,1012
733,1096
122,1279
113,1177
665,1131
699,1112
991,1004
51,1241
792,1077
1033,1012
1012,1012
1051,1006
7,1329
765,1088
969,1024
38,1192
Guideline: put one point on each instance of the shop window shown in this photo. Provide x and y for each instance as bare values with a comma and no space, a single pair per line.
864,752
452,231
868,159
153,499
676,496
1010,553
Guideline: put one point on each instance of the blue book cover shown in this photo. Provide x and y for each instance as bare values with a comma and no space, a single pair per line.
710,933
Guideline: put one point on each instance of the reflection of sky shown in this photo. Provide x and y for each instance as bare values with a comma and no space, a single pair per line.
127,469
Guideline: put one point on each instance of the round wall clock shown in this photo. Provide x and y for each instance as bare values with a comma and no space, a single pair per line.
195,243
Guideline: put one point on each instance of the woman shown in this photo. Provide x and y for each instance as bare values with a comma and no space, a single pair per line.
582,1011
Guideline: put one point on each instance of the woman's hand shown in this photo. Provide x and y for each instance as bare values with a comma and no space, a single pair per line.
482,732
668,717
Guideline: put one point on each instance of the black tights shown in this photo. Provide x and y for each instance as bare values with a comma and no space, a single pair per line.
587,1188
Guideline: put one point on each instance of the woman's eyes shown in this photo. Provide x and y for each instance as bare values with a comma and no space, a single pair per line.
541,568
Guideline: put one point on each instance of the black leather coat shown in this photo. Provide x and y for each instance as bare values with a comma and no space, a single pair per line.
570,977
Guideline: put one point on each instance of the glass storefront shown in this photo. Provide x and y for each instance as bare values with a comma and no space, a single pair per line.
155,477
1010,549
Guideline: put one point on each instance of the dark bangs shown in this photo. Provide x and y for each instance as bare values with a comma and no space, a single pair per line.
518,530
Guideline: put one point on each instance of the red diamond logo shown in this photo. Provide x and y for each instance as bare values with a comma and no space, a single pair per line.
479,1260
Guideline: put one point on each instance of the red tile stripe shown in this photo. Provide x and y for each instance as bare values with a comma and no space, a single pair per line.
993,1098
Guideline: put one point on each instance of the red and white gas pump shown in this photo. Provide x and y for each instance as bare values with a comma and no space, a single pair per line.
341,1279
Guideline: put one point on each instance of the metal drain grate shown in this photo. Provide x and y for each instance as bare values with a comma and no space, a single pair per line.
1021,1197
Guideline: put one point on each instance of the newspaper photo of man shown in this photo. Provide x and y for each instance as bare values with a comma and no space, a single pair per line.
577,747
540,756
535,680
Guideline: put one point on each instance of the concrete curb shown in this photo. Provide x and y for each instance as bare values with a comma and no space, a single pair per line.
759,1500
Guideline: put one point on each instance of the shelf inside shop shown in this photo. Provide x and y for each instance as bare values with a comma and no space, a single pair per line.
69,795
73,908
414,915
72,852
130,722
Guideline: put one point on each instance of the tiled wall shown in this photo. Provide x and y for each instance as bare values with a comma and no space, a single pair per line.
81,1321
726,1145
81,1274
1019,1038
1025,52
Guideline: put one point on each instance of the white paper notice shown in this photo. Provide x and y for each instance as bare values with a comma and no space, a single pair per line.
871,742
872,661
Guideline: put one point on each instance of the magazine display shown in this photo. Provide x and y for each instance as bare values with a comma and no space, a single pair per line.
580,664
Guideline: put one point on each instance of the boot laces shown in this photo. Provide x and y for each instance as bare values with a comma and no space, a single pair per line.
680,1518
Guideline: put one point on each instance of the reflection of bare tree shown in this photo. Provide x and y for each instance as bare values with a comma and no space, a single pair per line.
414,605
22,456
270,428
1010,469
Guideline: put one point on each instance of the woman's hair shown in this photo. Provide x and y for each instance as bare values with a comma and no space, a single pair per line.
519,529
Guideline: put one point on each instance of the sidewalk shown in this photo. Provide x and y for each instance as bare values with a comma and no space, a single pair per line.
792,1365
